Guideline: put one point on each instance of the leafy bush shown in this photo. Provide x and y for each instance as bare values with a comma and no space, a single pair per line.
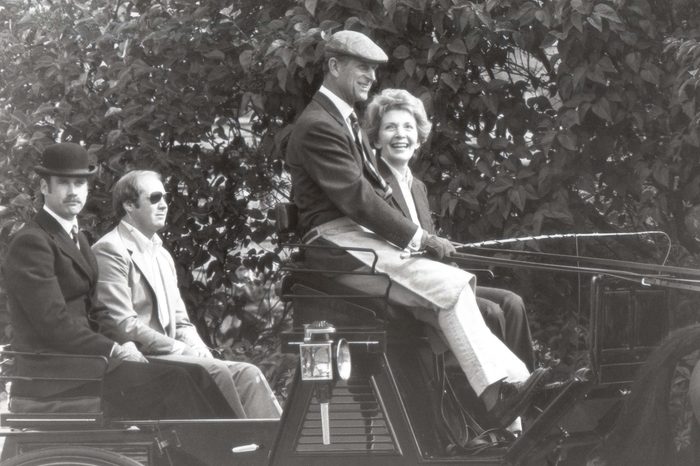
549,116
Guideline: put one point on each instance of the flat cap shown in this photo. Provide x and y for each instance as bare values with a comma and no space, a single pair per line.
357,45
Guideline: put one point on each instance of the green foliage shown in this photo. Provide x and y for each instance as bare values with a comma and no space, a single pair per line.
549,116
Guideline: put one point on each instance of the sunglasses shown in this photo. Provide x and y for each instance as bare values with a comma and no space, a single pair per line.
154,198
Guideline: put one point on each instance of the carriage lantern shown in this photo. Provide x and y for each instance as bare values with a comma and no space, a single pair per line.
317,357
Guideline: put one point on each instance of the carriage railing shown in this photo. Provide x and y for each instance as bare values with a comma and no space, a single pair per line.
29,407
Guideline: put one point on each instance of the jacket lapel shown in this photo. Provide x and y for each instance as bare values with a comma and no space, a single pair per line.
396,193
420,198
143,263
332,110
66,244
330,107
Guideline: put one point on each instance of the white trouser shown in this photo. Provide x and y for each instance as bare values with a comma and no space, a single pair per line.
436,293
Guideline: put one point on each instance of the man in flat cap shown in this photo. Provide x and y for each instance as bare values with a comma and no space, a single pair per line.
50,278
342,201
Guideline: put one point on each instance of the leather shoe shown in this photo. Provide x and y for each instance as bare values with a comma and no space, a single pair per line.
514,398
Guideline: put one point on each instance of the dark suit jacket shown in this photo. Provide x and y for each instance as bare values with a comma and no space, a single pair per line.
420,197
329,179
50,286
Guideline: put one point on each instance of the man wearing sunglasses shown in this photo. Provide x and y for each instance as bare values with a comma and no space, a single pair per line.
50,277
138,290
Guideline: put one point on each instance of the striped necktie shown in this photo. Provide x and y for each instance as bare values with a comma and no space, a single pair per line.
355,125
74,235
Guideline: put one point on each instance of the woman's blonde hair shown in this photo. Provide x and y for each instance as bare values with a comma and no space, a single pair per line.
393,99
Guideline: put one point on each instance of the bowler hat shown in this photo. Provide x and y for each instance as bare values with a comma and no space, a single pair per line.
65,159
357,45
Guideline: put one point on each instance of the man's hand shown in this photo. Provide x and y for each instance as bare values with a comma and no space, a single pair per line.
127,352
437,247
196,352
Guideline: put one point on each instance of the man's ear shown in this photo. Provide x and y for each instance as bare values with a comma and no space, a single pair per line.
128,206
43,186
334,66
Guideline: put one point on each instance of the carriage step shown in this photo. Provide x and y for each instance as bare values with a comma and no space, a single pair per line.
538,432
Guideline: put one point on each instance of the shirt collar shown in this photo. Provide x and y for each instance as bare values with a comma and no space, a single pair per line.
65,224
406,177
143,243
342,106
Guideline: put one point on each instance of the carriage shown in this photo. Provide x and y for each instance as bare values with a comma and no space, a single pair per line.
369,389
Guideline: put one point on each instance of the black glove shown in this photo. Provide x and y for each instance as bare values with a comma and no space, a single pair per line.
437,247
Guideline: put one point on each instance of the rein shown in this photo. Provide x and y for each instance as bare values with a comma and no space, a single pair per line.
646,274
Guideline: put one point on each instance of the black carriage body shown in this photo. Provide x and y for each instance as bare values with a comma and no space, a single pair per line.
393,410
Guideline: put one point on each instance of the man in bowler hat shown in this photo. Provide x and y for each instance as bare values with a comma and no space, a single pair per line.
50,275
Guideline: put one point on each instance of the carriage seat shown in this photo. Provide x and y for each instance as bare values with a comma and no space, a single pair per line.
317,296
42,396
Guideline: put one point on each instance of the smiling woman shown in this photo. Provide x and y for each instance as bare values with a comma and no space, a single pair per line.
397,124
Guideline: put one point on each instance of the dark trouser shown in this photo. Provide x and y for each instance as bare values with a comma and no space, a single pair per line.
505,314
162,390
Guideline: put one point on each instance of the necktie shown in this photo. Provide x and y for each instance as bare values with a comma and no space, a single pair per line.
355,125
74,235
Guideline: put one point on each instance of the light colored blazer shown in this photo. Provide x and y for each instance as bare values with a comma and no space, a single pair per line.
128,300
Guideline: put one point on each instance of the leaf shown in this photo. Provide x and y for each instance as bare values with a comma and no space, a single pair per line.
449,80
491,102
112,136
596,22
606,11
485,18
602,108
566,88
596,74
217,54
285,54
112,111
544,17
577,21
457,46
568,140
661,174
689,108
568,118
606,65
500,184
517,196
491,4
473,39
282,79
633,60
526,13
650,74
409,66
310,6
433,51
577,5
402,52
583,110
246,59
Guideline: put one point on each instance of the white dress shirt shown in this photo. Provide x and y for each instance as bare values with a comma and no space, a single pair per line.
150,247
65,224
